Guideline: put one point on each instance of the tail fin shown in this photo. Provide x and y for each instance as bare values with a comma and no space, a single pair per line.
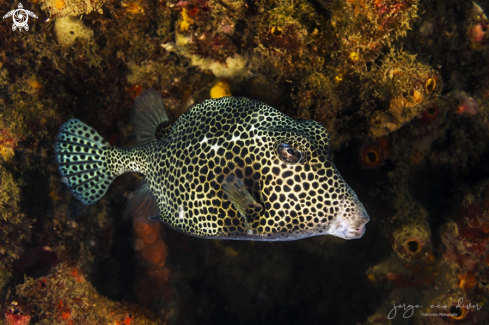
80,153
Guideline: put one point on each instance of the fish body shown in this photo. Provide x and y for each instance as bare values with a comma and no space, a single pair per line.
229,168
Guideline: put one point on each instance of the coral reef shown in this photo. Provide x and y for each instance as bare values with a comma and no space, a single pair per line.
63,8
152,250
458,308
460,291
466,241
14,228
68,30
365,27
7,145
477,27
401,84
411,240
66,297
220,89
399,274
374,153
14,315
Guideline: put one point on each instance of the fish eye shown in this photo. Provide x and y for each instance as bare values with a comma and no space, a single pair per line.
289,154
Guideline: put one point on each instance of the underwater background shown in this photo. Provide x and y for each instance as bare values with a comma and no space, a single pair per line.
401,86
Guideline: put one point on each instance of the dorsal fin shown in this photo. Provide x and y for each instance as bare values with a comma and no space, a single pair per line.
142,204
148,118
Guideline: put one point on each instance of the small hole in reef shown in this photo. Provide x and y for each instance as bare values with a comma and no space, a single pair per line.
276,31
430,85
432,110
72,32
456,311
372,157
413,246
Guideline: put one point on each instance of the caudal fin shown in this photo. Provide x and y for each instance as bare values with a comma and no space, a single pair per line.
81,156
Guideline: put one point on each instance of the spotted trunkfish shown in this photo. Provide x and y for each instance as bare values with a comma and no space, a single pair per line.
229,168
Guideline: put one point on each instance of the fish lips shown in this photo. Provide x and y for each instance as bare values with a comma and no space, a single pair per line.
354,233
353,228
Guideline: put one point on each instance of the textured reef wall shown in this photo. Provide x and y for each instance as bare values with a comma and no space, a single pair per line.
401,85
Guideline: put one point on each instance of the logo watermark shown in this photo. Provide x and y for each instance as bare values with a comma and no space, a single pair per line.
408,310
20,17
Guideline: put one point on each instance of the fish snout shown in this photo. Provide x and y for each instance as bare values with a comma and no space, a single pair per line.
360,219
351,226
360,215
355,232
349,232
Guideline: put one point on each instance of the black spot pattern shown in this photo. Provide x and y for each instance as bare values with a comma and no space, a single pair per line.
81,155
240,136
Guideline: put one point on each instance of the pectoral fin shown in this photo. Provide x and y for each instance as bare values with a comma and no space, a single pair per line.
242,200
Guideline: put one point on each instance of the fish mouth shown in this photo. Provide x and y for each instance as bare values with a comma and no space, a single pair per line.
346,232
351,229
355,233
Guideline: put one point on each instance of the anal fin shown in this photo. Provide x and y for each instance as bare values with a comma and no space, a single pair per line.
142,204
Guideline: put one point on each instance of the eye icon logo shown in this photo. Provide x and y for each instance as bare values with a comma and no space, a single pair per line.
20,17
